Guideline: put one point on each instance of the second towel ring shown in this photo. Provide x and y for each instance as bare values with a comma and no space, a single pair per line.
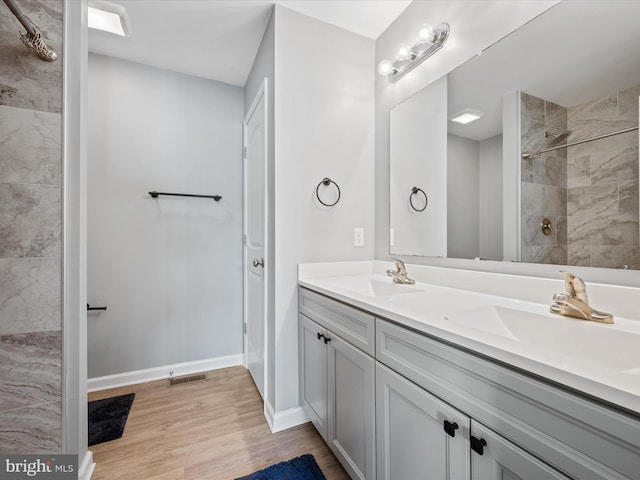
326,181
414,191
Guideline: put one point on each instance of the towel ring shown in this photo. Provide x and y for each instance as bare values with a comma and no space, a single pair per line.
326,181
414,191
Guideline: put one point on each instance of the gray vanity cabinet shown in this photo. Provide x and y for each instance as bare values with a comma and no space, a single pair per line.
313,373
337,379
412,440
502,460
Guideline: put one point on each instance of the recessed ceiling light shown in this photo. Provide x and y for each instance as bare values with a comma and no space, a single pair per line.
467,116
108,17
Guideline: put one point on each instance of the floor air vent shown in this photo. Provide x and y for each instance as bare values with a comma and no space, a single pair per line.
187,379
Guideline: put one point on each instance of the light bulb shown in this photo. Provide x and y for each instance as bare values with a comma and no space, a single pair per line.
385,67
425,33
405,52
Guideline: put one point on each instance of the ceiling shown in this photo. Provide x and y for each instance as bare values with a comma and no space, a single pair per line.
219,39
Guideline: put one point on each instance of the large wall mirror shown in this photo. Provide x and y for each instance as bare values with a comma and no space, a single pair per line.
514,191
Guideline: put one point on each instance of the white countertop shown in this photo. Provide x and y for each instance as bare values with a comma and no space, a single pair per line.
597,359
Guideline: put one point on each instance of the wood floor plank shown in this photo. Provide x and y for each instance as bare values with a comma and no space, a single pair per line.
211,429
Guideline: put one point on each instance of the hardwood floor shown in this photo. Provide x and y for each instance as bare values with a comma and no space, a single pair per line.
212,429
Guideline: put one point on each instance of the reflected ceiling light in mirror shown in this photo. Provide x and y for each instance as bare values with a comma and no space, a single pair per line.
466,116
428,42
108,17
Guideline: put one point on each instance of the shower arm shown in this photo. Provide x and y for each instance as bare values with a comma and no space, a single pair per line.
530,156
22,18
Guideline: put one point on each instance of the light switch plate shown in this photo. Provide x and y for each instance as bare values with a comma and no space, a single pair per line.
358,237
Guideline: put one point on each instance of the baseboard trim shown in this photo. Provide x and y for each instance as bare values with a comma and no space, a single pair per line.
279,421
86,468
158,373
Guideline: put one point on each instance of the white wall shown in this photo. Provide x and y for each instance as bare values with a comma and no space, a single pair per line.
490,198
463,159
475,25
169,269
324,127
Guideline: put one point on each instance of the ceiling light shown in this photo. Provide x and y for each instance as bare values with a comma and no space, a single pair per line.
467,116
108,17
429,41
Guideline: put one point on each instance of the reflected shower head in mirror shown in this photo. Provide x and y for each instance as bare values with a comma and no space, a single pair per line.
557,137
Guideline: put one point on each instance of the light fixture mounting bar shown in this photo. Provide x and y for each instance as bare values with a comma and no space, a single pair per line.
422,51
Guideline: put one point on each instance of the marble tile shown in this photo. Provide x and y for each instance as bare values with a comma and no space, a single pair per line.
548,255
32,429
28,82
593,200
30,369
30,146
616,256
621,229
532,107
621,164
555,118
628,103
30,220
579,171
532,135
629,199
579,255
29,295
544,200
550,169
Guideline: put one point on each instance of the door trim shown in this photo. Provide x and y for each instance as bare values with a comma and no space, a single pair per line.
261,94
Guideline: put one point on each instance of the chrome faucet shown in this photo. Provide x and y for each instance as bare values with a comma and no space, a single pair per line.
400,274
575,302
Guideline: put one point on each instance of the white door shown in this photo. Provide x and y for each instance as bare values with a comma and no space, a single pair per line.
255,135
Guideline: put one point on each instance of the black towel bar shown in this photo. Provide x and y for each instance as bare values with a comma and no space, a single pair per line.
155,194
95,308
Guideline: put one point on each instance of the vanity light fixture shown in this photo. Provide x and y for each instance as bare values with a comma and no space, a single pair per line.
467,116
109,17
428,41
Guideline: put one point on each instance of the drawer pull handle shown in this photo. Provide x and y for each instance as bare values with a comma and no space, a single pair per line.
320,335
326,340
450,428
478,444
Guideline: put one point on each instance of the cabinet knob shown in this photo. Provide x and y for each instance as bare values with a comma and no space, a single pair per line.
320,335
326,340
478,444
450,428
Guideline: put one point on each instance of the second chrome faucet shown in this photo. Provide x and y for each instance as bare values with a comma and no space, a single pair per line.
575,303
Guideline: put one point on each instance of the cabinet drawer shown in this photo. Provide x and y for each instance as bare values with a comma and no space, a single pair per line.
581,438
352,325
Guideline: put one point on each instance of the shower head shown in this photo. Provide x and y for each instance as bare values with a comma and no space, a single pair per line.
557,137
32,39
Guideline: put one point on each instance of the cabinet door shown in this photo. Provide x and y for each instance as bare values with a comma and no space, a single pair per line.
412,441
313,372
495,458
351,413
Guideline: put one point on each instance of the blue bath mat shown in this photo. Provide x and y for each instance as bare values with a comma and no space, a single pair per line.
299,468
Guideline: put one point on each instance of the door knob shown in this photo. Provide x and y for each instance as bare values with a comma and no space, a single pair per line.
258,263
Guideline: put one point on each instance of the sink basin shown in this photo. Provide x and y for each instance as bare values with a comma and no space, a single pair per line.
371,287
606,345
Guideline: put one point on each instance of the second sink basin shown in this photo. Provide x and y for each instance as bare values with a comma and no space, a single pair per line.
372,287
609,346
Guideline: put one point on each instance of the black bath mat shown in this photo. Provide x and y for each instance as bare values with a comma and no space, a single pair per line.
300,468
108,417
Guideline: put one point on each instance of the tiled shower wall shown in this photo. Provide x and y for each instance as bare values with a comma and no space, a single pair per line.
30,234
602,202
543,182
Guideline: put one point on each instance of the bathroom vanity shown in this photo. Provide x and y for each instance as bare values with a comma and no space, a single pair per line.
431,381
